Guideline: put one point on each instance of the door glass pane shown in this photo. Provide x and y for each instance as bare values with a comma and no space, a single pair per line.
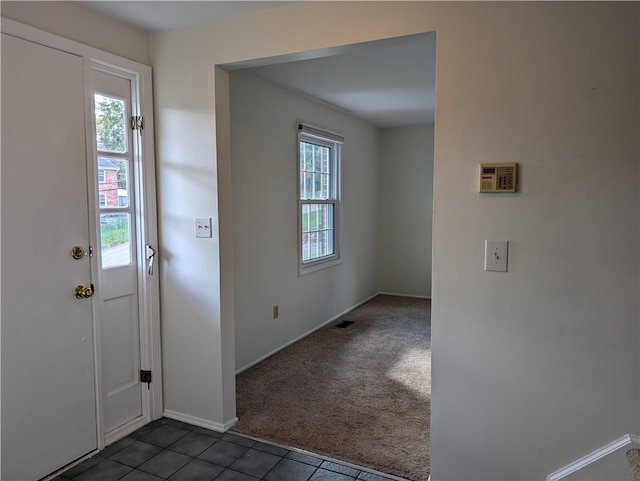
113,182
111,132
115,239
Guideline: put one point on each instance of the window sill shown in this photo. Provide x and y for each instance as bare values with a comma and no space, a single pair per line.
304,270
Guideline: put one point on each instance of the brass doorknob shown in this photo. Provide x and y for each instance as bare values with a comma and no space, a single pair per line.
83,292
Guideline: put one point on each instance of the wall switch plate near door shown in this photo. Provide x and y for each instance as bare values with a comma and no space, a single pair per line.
495,255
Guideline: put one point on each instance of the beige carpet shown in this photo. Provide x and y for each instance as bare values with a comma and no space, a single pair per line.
633,457
360,394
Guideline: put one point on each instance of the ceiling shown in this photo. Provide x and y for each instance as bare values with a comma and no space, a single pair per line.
155,16
387,83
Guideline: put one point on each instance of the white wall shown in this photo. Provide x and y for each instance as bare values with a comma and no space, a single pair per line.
263,158
543,359
77,22
531,369
406,210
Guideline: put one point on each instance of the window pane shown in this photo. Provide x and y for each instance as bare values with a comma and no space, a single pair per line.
317,158
315,171
111,132
309,156
317,231
115,239
115,182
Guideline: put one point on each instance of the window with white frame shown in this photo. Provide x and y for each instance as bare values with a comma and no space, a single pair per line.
319,158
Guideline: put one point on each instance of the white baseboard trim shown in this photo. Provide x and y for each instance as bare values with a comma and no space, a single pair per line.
405,295
253,363
610,448
203,423
126,429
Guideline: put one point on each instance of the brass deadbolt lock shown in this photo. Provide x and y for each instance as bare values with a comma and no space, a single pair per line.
78,252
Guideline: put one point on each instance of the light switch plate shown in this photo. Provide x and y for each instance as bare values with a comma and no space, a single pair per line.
496,255
203,227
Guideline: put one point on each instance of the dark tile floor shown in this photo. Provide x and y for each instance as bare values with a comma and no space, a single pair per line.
172,450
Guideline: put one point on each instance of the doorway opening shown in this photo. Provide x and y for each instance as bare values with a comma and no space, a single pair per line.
375,188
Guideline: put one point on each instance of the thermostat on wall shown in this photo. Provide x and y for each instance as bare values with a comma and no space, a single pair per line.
498,178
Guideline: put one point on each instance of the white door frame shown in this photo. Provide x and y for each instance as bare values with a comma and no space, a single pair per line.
149,299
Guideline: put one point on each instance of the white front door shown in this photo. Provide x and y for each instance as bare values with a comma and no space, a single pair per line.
119,260
48,381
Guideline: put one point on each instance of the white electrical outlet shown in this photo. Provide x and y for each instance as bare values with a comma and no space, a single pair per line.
203,227
495,255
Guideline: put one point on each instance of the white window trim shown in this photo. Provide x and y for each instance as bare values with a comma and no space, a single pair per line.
333,140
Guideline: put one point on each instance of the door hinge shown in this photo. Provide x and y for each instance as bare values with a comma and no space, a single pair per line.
145,376
137,122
